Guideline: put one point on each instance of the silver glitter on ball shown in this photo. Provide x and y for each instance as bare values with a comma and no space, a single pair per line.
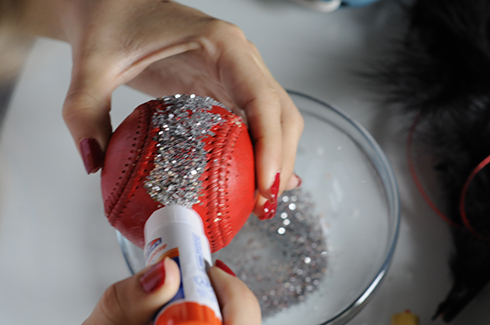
282,264
184,122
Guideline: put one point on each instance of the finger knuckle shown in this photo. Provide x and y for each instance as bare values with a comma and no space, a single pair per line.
225,30
273,97
81,102
300,122
267,100
112,304
72,101
253,47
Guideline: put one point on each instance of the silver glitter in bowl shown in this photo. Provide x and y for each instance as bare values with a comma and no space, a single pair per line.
284,259
183,123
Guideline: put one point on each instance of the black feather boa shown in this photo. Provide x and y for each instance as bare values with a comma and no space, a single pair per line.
441,70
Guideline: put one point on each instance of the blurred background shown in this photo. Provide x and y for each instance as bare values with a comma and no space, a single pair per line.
57,251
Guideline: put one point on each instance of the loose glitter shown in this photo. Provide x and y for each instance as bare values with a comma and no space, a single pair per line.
183,123
282,260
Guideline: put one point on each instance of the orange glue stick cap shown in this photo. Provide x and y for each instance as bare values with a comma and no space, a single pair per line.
187,313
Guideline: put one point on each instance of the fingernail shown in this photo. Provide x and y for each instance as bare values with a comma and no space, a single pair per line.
275,188
300,181
224,267
154,277
269,209
92,154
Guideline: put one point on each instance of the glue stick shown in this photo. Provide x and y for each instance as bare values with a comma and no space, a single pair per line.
178,233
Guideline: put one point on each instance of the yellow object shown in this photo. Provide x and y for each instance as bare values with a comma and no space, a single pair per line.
405,318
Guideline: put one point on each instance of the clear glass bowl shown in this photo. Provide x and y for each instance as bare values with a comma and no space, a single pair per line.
331,242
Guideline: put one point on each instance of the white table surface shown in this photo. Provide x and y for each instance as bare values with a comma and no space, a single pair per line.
57,251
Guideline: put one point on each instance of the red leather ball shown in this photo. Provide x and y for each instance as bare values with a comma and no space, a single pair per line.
226,196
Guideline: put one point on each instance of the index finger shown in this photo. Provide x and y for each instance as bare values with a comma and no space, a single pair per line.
253,90
274,121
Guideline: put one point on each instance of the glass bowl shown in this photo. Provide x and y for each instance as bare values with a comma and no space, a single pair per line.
319,260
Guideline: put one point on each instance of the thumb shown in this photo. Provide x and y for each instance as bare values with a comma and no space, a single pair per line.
238,304
86,114
135,300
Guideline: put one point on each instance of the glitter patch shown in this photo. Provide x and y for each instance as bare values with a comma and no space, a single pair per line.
284,259
183,123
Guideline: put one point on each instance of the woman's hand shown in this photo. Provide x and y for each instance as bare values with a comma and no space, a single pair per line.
135,300
164,48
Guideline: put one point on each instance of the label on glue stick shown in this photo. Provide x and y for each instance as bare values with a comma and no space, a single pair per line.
178,233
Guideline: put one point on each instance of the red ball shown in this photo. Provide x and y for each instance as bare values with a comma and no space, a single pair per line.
225,188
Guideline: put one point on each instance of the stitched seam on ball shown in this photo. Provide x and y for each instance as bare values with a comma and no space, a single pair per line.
123,200
141,164
118,187
228,153
219,166
213,205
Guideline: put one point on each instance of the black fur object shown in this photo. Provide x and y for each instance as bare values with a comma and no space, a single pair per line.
441,70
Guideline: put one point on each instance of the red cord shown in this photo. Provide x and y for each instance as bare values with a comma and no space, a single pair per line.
426,197
416,178
462,211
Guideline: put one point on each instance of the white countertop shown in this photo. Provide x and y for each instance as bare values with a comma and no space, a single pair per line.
57,251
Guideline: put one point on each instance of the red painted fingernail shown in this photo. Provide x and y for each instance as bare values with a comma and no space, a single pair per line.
270,209
275,188
263,216
224,267
92,154
154,277
300,181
